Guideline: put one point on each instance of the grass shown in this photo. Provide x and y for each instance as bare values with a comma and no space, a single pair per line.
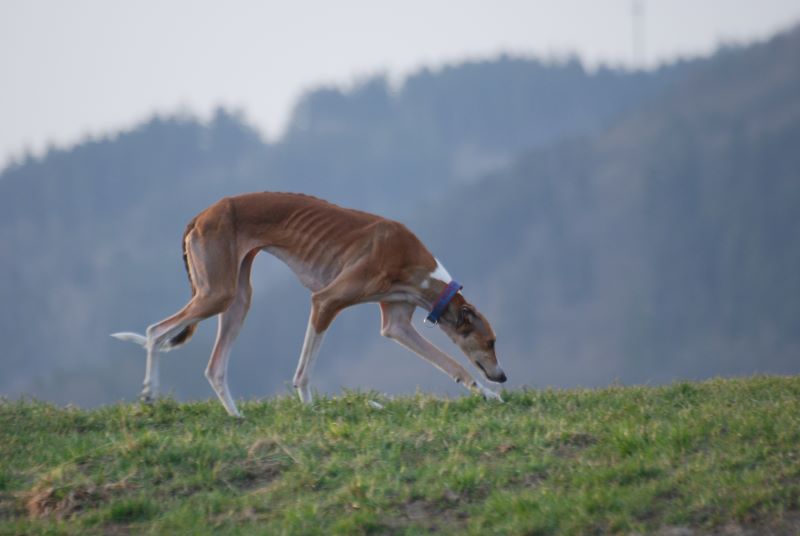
708,457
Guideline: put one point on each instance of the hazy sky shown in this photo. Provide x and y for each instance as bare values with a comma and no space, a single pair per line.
72,68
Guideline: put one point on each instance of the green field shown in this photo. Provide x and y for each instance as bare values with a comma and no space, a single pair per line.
721,456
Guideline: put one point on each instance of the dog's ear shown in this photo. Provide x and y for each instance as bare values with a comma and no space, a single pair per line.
465,316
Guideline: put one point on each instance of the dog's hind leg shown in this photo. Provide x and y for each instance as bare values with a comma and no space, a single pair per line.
214,267
199,308
230,322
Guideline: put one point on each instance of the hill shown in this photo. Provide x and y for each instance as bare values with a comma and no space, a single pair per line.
719,457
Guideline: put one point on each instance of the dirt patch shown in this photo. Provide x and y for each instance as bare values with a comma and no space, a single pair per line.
46,500
427,515
10,507
570,444
533,479
246,516
432,515
787,525
505,447
266,460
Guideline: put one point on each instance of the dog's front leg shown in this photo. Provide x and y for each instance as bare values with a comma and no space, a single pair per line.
396,325
308,356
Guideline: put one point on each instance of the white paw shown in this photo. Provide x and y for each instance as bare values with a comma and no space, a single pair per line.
149,392
487,393
230,407
305,395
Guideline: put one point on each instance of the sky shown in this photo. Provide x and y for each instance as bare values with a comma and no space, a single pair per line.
82,68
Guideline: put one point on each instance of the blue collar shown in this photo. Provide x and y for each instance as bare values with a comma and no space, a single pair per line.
442,302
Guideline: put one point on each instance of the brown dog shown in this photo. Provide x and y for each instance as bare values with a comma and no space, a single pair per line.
344,257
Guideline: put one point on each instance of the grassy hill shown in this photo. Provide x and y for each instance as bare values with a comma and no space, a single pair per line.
720,456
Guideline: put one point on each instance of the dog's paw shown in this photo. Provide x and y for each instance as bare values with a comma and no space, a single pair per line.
305,395
487,393
147,398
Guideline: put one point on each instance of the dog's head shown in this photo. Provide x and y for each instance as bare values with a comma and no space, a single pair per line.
471,331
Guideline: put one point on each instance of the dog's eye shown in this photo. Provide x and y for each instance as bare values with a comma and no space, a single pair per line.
491,345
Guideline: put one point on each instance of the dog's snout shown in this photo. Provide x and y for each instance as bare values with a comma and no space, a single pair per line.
496,375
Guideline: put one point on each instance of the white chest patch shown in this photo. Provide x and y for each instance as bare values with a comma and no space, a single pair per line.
440,273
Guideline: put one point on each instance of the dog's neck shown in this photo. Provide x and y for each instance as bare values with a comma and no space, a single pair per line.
432,288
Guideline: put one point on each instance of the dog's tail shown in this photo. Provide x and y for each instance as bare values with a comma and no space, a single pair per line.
186,333
141,340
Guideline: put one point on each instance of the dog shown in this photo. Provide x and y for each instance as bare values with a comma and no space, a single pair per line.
344,257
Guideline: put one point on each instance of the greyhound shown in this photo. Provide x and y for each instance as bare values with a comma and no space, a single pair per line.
344,257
